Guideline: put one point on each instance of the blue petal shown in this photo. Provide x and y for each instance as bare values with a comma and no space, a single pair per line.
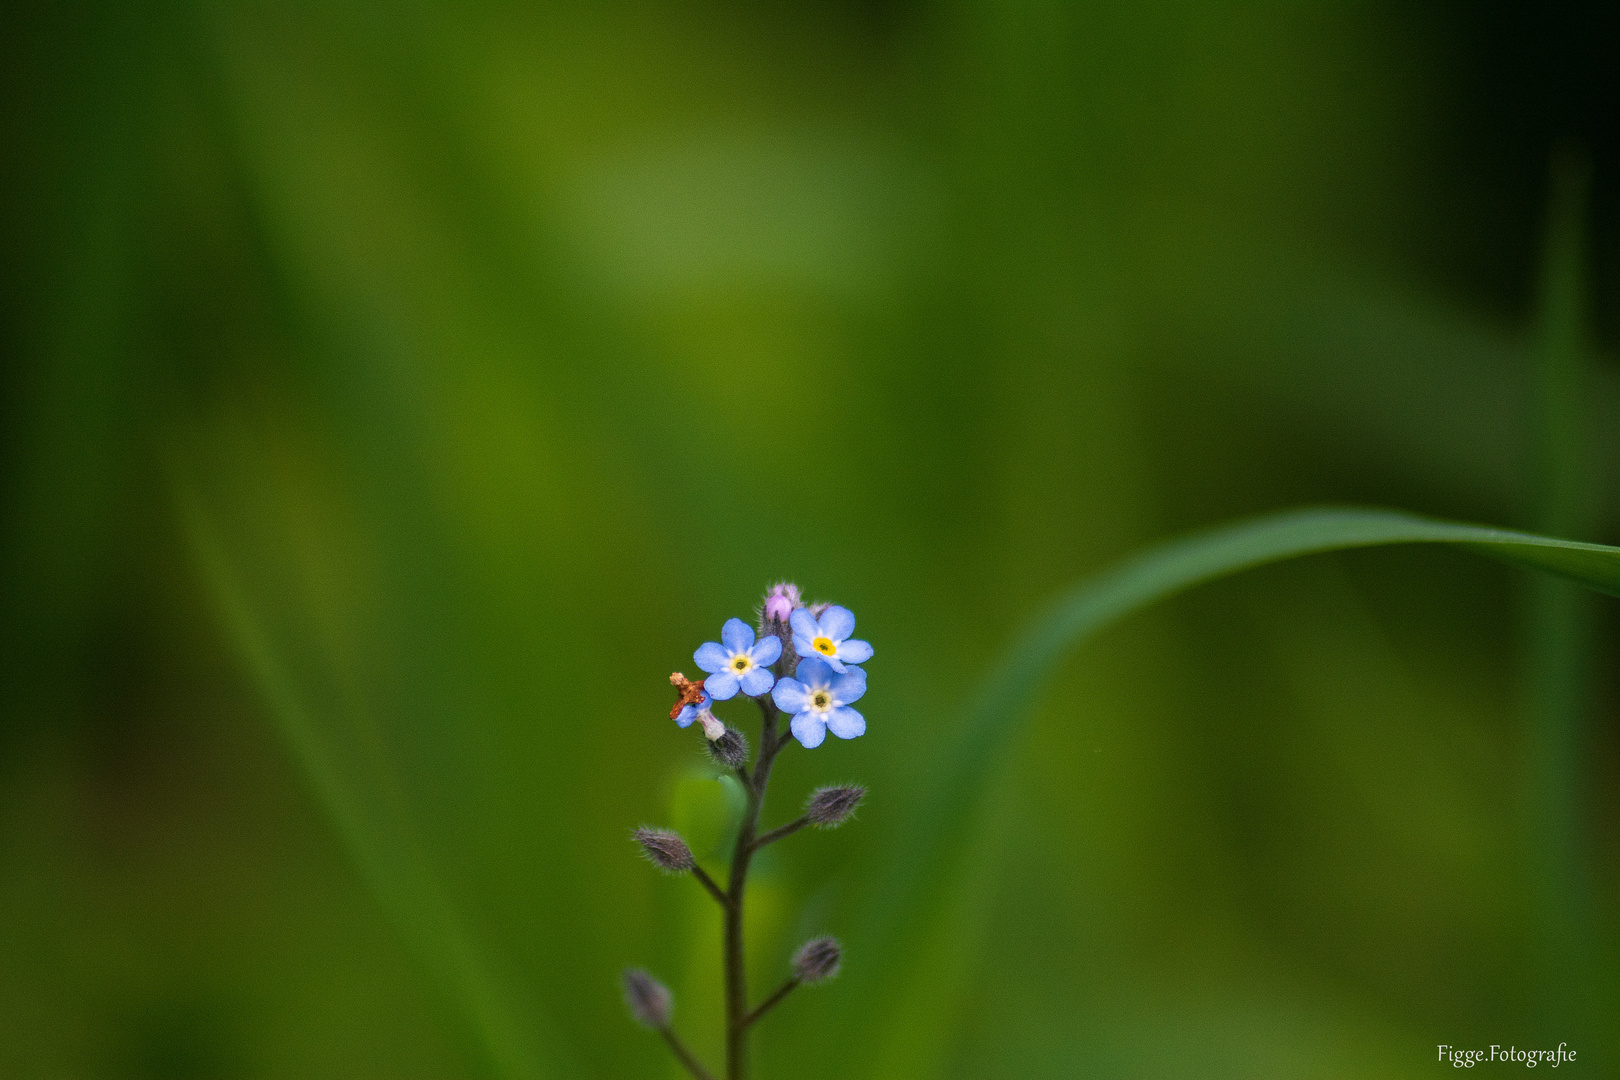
854,652
814,672
846,723
849,686
834,663
802,646
711,657
790,695
757,681
737,635
804,625
837,622
721,686
809,728
685,717
768,649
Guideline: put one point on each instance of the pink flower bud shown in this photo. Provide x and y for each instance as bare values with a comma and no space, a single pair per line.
780,602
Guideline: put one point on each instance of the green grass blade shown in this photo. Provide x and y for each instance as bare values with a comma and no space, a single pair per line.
355,788
1559,620
910,891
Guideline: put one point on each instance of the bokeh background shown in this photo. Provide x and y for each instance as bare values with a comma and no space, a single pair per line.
396,394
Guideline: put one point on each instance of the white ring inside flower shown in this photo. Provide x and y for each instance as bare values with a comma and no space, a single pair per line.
821,700
741,663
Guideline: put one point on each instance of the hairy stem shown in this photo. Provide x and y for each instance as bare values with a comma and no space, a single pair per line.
765,1006
708,883
780,831
736,971
693,1065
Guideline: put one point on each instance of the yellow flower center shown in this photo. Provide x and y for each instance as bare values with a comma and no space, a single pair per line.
741,663
824,646
820,699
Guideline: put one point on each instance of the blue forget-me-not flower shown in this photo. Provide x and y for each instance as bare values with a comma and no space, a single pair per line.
738,662
819,698
826,638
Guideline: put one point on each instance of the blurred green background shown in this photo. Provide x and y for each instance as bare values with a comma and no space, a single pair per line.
396,394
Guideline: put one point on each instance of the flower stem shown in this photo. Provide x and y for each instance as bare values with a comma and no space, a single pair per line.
693,1065
765,1006
716,891
780,831
737,1016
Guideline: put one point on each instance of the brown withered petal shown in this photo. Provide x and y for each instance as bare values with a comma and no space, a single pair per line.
687,692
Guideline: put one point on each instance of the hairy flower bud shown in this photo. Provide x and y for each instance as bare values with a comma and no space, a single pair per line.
730,749
664,849
830,807
648,999
818,959
780,602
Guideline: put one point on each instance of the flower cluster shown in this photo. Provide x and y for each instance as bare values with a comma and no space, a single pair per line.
812,641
